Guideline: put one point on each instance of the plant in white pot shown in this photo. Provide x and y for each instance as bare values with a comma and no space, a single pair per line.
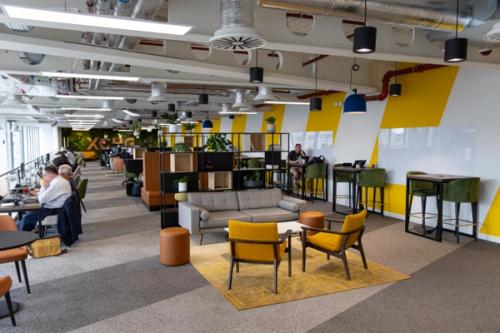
271,128
171,120
182,183
189,127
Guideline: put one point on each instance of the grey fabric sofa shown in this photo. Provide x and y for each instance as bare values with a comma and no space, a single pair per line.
210,211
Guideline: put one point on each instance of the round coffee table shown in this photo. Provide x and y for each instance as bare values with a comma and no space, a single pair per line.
11,240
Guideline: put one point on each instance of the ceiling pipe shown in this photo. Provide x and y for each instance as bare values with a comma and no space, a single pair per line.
396,12
390,74
313,60
317,94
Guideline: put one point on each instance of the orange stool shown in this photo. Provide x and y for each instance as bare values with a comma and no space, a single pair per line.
174,246
313,219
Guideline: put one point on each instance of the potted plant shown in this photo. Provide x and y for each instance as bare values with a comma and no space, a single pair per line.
252,180
189,127
182,183
271,128
218,143
181,148
136,129
171,120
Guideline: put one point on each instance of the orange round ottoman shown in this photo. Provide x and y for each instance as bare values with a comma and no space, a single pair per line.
174,246
313,219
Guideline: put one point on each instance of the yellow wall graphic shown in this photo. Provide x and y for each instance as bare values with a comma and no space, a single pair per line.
327,119
491,224
238,126
423,101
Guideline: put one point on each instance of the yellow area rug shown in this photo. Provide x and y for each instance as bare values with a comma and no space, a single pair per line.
253,285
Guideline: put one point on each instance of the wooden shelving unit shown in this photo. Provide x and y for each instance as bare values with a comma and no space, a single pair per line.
181,162
220,180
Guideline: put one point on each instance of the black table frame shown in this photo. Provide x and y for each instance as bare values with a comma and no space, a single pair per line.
355,171
439,181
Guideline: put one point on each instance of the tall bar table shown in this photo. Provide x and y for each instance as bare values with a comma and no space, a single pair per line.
355,172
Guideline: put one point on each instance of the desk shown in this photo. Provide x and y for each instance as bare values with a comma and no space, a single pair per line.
11,240
440,180
25,208
355,172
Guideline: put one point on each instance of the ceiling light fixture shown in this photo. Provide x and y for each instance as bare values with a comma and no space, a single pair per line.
171,107
126,25
84,109
90,76
354,103
116,120
395,88
203,98
236,112
256,73
455,49
130,113
315,103
207,124
365,38
286,102
111,98
84,116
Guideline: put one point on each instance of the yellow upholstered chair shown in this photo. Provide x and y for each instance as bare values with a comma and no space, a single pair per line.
17,255
336,243
5,285
257,243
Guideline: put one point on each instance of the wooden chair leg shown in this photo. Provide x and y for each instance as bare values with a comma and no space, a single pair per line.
346,266
231,266
362,251
83,206
457,221
374,198
327,256
474,207
201,239
303,257
276,265
25,274
237,267
18,271
8,301
423,199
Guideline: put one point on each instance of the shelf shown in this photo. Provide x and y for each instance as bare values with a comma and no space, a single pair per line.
181,162
220,180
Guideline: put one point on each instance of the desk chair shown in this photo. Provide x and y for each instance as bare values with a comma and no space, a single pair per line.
423,190
345,177
5,285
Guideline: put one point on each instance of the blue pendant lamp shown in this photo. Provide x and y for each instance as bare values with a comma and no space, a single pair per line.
207,124
354,103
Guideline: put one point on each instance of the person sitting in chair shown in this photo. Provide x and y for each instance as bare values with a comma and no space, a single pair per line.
297,158
53,193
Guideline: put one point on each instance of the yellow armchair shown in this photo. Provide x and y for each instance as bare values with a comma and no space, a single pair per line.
336,243
257,243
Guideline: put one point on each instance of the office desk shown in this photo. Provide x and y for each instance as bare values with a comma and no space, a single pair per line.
355,172
31,207
439,180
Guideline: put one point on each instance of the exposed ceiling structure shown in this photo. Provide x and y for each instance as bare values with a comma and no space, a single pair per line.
145,71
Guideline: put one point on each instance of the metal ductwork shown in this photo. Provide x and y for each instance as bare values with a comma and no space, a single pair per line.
158,92
31,58
240,99
237,27
429,14
265,94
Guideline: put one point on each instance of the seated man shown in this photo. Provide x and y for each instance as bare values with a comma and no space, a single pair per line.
66,172
297,158
53,193
60,159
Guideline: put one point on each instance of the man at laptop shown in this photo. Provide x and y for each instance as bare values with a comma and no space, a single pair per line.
53,193
297,158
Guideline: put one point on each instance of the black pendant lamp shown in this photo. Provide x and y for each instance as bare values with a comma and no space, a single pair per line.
455,49
315,103
203,98
256,73
365,38
171,107
396,88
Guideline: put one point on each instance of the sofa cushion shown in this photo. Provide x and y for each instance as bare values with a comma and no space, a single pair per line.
252,199
274,214
220,219
288,205
214,201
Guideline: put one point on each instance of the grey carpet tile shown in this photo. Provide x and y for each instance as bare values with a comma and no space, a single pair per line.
457,293
111,187
120,227
112,202
79,300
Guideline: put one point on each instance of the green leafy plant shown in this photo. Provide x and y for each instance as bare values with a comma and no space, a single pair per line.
270,120
170,118
183,179
218,143
254,176
181,148
189,126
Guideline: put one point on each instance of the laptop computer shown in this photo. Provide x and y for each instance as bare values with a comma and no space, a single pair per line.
359,163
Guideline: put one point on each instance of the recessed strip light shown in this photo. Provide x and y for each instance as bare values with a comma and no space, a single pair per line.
97,21
130,113
236,112
90,76
114,98
84,116
85,109
117,121
286,102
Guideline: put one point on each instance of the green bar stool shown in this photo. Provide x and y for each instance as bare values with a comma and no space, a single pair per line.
314,173
372,178
423,190
463,191
344,177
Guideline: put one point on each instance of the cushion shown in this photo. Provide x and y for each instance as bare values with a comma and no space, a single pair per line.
271,214
288,205
220,219
252,199
204,214
326,241
17,254
214,201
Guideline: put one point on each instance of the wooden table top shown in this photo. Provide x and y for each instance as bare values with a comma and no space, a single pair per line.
25,208
350,169
437,177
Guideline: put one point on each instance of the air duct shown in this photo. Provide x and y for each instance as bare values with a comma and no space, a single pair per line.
158,90
31,58
240,100
428,15
265,94
237,28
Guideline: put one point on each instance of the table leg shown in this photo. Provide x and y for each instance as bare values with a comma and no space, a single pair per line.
4,312
334,192
439,232
40,227
407,205
303,176
290,255
354,195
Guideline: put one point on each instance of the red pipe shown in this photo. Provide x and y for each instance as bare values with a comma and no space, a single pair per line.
390,74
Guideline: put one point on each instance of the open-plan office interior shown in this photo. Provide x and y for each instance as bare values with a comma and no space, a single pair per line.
249,166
